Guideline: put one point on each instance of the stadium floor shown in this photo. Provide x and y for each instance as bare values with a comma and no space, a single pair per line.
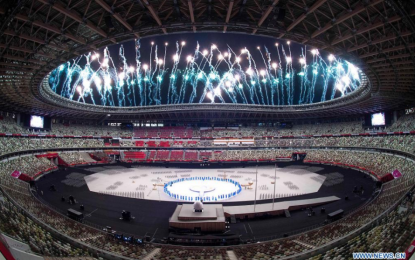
151,217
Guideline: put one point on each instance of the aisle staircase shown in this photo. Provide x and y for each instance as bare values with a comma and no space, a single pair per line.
86,157
231,255
151,254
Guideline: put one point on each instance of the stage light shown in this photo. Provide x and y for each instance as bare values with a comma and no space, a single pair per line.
331,57
238,59
274,65
314,51
145,66
262,72
289,59
131,69
249,71
183,43
205,52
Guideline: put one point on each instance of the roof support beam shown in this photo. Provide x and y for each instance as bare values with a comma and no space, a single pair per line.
47,55
395,64
50,28
366,29
384,39
9,64
397,48
358,9
265,15
70,13
154,14
108,8
117,16
192,16
37,40
10,57
228,15
303,16
406,55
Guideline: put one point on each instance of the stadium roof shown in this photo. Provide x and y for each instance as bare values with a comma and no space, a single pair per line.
376,35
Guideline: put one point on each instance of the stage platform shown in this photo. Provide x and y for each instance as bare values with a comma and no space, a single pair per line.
251,211
148,182
152,217
212,219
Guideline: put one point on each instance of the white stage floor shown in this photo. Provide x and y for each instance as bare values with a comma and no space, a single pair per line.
138,182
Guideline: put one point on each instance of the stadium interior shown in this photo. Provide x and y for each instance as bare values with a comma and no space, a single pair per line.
207,129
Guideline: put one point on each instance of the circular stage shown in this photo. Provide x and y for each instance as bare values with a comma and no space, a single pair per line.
203,188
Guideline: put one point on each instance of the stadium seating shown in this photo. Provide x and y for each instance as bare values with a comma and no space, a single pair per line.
392,232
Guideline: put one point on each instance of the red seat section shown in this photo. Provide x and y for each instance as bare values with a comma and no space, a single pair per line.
139,143
176,156
191,156
134,155
164,144
152,155
205,155
152,144
162,155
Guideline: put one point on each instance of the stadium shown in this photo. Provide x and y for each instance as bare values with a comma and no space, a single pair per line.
207,129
